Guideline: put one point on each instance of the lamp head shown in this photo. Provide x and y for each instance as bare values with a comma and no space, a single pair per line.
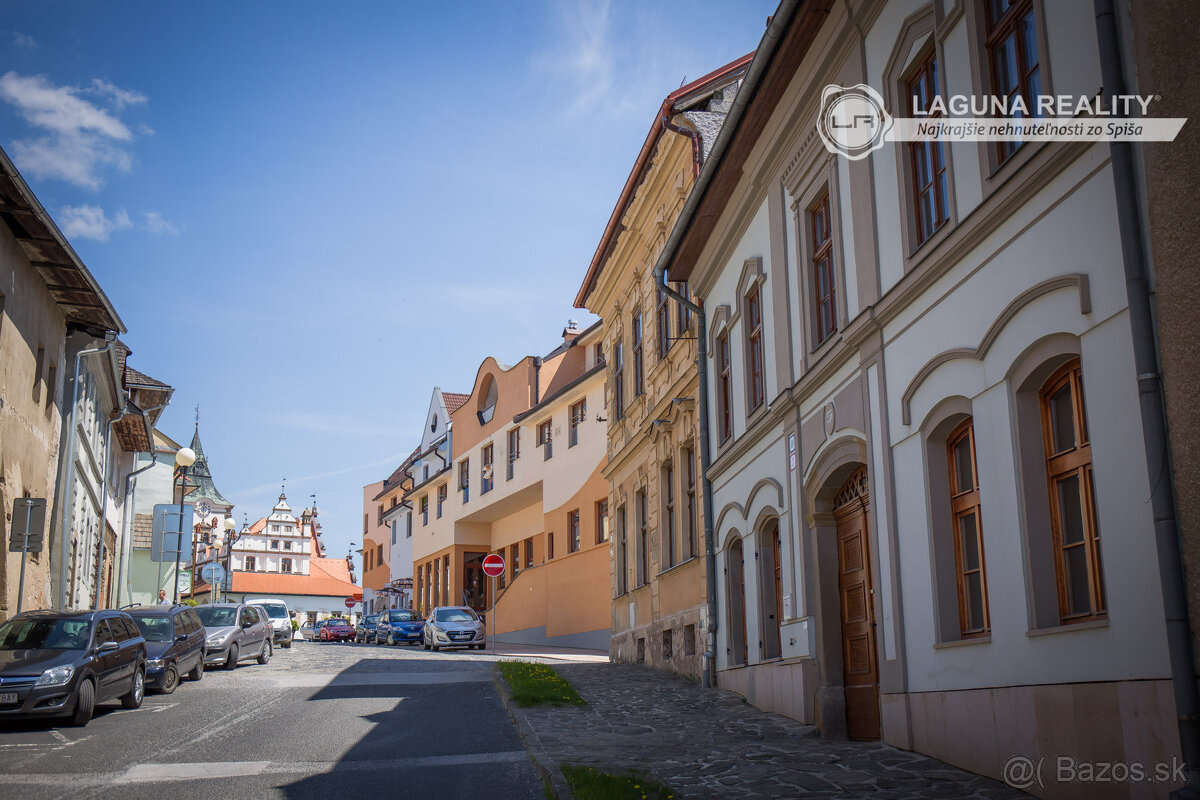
230,524
185,457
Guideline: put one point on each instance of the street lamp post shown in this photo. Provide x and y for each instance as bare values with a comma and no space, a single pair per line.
183,459
218,542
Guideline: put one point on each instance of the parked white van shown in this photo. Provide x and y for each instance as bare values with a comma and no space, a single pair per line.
281,619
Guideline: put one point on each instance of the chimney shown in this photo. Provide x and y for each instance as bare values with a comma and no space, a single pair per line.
571,331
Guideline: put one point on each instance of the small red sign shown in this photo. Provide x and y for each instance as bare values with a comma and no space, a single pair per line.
351,602
493,565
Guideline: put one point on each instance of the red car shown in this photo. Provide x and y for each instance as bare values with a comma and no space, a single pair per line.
334,629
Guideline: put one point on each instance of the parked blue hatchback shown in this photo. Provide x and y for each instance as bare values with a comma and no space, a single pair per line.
174,644
398,625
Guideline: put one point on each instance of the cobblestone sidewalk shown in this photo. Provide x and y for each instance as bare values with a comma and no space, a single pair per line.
713,744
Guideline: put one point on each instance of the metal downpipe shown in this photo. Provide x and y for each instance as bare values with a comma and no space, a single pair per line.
1153,415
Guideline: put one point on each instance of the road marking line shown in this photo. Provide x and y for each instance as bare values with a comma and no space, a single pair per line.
216,770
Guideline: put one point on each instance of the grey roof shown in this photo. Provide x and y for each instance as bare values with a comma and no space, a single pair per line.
200,476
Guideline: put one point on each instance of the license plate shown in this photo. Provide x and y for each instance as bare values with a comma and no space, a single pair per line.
413,635
8,698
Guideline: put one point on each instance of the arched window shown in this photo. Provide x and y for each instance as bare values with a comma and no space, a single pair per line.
1073,523
487,400
970,571
736,587
770,583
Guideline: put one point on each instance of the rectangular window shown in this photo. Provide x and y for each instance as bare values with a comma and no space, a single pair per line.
602,533
683,314
529,552
514,451
515,555
39,365
639,364
664,325
287,545
824,306
502,578
274,544
285,566
578,414
249,561
643,537
424,509
549,545
366,522
622,552
442,492
394,526
754,347
968,534
464,479
1073,521
724,388
573,531
927,159
485,469
598,352
618,380
689,511
1013,57
408,525
667,489
545,433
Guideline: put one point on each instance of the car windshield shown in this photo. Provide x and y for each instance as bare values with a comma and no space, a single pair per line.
23,633
338,621
217,617
456,615
275,610
154,628
403,616
370,620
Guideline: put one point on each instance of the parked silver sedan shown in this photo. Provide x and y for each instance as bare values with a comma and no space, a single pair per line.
454,626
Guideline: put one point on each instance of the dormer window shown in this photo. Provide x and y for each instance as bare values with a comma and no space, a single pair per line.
487,401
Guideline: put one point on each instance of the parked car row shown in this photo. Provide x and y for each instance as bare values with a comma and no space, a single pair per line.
446,627
62,664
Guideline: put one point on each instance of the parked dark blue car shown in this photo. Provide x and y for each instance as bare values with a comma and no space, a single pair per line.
174,644
398,625
365,630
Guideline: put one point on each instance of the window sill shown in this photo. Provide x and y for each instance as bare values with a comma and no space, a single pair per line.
1089,625
963,642
678,566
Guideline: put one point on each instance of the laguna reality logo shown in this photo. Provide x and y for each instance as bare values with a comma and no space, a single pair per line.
852,120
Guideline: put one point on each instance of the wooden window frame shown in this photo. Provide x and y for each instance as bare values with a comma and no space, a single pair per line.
755,360
464,479
997,31
578,413
514,451
663,339
724,388
574,532
424,509
963,503
618,381
442,494
683,314
545,438
667,488
689,475
926,72
602,532
822,264
622,567
1075,462
639,364
643,538
487,470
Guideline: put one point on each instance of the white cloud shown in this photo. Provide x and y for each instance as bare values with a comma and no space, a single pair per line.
90,222
585,55
23,40
155,223
77,139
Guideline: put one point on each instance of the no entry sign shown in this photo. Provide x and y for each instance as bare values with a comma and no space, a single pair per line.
351,602
493,565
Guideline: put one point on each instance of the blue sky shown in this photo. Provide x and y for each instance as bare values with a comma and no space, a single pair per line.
308,218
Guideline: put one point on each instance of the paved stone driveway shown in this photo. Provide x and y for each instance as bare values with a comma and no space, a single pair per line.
713,744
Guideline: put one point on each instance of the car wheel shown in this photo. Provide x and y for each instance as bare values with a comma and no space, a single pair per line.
85,704
426,643
266,653
231,661
197,671
133,699
170,679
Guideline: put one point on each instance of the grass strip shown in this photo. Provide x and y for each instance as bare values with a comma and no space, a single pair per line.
591,784
537,684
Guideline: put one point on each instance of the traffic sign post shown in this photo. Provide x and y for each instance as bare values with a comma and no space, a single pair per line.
493,567
351,602
29,515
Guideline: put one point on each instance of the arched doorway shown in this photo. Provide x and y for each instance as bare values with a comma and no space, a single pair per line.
770,581
860,664
735,572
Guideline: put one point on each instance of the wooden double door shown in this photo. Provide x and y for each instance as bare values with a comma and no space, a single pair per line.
860,662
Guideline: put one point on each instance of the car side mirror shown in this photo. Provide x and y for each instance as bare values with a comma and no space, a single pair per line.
181,637
106,647
247,625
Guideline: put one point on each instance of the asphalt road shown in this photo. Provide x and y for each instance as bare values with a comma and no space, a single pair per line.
319,720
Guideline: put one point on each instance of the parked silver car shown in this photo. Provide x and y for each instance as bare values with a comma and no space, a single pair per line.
454,626
235,632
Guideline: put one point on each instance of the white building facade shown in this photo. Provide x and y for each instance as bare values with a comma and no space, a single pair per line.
923,405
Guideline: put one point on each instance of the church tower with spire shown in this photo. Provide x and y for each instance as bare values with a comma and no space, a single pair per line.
209,503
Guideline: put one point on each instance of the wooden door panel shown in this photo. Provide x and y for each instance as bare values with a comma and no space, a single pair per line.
860,667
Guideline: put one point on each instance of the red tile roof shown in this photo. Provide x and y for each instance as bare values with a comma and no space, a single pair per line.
316,583
454,401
